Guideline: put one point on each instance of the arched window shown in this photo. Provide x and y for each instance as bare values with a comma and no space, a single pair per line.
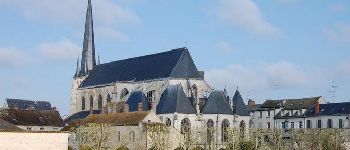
124,93
224,130
210,130
108,99
242,129
168,122
91,103
194,90
99,102
185,126
83,103
132,136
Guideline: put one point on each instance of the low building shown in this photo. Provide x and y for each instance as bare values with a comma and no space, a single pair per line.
283,113
332,115
33,120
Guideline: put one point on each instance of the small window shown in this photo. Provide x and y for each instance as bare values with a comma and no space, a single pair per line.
284,126
168,122
99,102
42,128
124,93
132,136
29,128
118,136
319,123
91,103
268,125
150,96
341,123
329,123
108,99
260,114
292,125
83,103
300,124
268,113
308,124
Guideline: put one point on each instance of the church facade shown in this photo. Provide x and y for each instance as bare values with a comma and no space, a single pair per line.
167,83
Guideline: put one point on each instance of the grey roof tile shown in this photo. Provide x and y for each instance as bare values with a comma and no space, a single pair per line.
217,104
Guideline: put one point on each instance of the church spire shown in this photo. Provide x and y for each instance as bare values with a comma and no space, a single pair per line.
88,60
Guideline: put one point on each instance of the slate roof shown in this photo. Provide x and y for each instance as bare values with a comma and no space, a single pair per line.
27,104
289,104
32,117
174,100
330,109
135,98
176,63
217,104
238,105
117,119
6,126
81,115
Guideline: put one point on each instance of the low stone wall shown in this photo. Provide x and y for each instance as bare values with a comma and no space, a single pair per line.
33,141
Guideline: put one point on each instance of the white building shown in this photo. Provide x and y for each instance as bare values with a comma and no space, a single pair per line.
283,113
332,115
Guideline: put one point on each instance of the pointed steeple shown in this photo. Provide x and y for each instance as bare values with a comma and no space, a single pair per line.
88,60
98,59
78,69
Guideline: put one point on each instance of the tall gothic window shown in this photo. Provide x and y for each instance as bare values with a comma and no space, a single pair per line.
91,103
185,126
210,130
99,102
150,95
195,90
83,103
224,130
124,93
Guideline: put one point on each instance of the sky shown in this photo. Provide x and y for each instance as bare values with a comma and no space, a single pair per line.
273,49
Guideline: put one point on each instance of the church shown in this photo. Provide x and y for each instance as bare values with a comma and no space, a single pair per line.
167,83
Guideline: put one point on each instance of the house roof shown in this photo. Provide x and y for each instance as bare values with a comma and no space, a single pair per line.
289,104
174,100
6,126
117,119
81,115
27,104
330,109
238,105
217,104
32,117
135,98
176,63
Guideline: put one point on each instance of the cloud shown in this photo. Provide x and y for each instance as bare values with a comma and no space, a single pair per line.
12,57
106,12
61,50
224,46
111,34
264,76
340,33
245,14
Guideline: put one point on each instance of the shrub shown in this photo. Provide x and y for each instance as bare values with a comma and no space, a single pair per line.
198,148
179,148
122,148
85,148
247,145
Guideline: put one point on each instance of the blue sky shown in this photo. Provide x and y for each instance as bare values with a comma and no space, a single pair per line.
270,49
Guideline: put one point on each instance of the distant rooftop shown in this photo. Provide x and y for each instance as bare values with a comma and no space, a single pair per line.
23,104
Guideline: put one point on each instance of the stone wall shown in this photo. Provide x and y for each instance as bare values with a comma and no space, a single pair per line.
33,141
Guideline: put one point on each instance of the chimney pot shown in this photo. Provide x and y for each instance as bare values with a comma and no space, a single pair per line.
126,108
140,107
317,107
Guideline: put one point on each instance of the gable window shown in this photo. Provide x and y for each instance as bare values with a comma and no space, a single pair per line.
300,124
329,123
340,123
308,124
91,103
319,123
99,102
83,103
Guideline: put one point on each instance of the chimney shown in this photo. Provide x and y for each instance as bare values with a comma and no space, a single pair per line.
54,108
251,102
154,106
317,107
140,107
126,108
